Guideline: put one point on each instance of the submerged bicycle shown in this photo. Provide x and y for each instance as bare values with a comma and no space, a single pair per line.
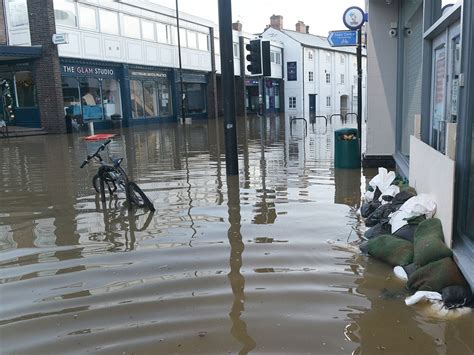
115,178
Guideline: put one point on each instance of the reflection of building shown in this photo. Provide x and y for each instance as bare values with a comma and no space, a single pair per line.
420,109
319,79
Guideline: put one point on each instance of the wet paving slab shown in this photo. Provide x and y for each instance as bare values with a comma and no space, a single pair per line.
256,263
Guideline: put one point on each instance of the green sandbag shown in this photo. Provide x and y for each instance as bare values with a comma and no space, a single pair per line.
429,243
394,251
435,276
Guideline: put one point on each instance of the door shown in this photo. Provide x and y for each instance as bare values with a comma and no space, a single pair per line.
312,105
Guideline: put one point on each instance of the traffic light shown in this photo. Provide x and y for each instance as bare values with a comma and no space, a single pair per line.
266,65
255,57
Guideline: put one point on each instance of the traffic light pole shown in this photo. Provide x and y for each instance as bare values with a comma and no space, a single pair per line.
228,86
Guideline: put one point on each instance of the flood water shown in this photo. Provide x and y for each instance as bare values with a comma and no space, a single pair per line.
251,264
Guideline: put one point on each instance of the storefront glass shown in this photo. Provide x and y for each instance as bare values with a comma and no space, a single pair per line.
91,98
25,89
164,96
470,209
195,98
111,98
149,93
72,99
136,96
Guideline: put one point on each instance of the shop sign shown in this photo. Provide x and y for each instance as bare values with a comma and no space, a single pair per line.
60,38
149,74
87,70
291,68
251,82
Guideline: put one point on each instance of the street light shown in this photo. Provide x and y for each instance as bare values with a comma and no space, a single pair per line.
180,64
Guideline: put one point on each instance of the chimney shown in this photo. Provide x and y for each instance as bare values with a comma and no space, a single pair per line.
307,29
237,26
276,21
301,27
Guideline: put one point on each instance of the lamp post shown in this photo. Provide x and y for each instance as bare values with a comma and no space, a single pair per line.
180,64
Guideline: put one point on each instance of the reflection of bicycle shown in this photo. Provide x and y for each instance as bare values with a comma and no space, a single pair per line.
115,178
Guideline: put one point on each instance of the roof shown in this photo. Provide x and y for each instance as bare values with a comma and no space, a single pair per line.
310,40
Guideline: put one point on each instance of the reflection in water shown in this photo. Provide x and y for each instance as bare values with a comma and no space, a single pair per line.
237,280
77,277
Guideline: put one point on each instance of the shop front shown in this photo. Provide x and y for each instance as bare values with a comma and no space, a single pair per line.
151,95
272,95
91,92
18,101
195,94
251,95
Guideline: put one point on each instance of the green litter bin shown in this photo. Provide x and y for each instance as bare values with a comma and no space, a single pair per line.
346,148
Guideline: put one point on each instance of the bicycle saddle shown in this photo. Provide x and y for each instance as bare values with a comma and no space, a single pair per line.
117,162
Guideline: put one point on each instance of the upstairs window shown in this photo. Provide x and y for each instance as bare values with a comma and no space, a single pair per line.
64,12
108,22
328,78
148,30
310,76
328,101
87,17
203,42
131,26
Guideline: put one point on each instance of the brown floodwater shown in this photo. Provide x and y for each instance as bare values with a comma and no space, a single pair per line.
251,264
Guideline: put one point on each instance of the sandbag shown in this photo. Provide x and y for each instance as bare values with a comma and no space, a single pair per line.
419,205
435,276
368,207
378,229
429,243
392,250
456,296
379,215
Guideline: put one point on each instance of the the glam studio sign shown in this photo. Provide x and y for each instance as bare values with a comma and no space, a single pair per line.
87,70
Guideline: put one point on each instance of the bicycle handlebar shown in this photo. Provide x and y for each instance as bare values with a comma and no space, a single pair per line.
96,154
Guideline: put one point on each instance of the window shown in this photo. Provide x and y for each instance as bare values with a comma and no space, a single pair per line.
342,78
111,98
192,39
278,58
310,55
151,101
310,76
292,102
182,37
328,57
173,31
136,96
236,50
131,26
91,98
109,22
148,30
164,98
87,17
71,97
328,78
25,89
272,57
162,34
343,59
203,42
217,46
195,98
17,13
328,101
65,12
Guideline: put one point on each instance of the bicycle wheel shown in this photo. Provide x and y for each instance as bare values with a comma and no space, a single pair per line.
138,197
96,183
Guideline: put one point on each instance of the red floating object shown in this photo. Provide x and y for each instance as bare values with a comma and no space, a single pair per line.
99,137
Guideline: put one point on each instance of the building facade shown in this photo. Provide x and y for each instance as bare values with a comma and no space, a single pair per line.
421,106
319,79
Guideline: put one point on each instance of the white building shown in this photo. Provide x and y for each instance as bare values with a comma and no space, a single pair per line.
319,79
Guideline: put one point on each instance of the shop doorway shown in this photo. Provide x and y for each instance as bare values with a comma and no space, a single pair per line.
312,105
344,105
252,98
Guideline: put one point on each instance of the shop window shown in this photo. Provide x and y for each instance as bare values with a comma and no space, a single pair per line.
131,26
148,30
196,98
111,98
87,17
108,22
203,42
192,40
310,76
164,97
292,102
91,98
71,97
328,101
328,78
150,97
17,13
162,35
136,97
277,97
25,89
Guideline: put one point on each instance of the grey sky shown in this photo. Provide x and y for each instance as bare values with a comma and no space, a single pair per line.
321,15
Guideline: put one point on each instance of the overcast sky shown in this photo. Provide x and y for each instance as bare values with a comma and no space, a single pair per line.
321,15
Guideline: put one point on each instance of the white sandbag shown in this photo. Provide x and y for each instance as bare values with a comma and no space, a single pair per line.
422,204
382,180
369,196
391,191
423,296
400,273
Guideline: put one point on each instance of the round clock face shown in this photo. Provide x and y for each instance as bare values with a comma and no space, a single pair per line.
354,18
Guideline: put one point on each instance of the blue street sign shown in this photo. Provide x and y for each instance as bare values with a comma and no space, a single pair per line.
342,38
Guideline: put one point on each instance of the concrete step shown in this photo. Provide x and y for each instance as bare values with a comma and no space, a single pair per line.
14,131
